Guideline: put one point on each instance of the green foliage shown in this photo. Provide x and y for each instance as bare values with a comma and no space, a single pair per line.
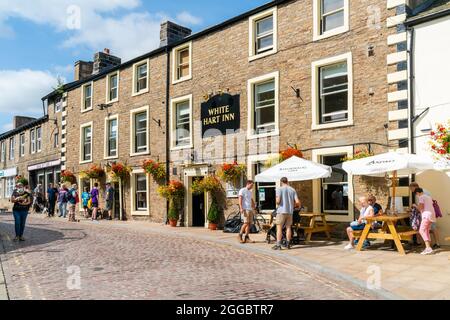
214,212
173,212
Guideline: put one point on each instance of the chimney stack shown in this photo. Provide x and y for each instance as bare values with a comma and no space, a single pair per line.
104,60
172,32
19,121
83,70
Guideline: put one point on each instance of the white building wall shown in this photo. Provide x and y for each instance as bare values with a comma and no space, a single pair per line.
432,89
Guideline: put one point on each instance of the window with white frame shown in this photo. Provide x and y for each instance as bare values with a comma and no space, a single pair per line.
12,143
141,192
10,185
111,137
334,190
86,96
38,139
33,140
3,151
112,90
263,34
140,83
331,17
56,140
22,145
182,62
58,104
139,131
86,143
332,92
2,188
181,122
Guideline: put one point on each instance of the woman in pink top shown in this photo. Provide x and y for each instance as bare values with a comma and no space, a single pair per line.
428,217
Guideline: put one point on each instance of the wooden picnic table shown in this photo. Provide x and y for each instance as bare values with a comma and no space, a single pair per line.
317,223
389,231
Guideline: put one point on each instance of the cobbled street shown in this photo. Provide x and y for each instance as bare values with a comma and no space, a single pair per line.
119,262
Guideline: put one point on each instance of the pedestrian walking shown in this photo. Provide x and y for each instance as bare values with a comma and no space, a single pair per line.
434,229
109,199
287,200
94,200
428,217
72,200
52,194
85,197
22,200
62,201
247,207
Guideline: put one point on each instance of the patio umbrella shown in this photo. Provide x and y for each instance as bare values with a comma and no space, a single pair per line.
295,169
398,163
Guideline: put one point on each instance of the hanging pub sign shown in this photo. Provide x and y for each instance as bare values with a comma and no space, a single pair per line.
219,114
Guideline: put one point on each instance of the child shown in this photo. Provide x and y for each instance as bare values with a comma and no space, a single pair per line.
428,218
85,196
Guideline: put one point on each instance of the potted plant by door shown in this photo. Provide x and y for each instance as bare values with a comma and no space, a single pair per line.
212,185
213,215
174,193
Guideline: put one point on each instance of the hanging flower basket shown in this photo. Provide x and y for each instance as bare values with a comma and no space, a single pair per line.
174,193
360,154
94,172
440,141
68,177
232,172
283,156
22,180
208,184
119,171
156,170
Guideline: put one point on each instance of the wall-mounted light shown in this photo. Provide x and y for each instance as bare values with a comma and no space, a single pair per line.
370,51
157,121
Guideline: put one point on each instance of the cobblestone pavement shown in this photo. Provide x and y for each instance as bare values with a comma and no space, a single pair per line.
122,263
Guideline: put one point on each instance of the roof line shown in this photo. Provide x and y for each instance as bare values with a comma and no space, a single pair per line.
430,17
23,127
152,53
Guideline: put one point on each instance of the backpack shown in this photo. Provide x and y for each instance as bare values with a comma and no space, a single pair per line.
437,209
69,195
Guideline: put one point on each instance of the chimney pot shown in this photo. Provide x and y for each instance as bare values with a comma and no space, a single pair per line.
106,50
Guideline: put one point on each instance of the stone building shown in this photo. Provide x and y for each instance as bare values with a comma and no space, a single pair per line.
31,150
327,76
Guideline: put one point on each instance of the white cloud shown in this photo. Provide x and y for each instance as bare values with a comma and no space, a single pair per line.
187,18
121,25
22,90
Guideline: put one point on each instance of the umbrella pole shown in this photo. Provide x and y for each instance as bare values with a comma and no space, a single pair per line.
394,185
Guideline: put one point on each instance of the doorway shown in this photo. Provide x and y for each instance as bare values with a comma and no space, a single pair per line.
198,207
116,206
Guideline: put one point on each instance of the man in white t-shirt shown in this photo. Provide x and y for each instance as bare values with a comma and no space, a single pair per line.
247,206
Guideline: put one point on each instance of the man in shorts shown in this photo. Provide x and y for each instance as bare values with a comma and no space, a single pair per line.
247,206
287,201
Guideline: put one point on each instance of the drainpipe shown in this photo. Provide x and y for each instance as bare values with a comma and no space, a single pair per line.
411,91
167,128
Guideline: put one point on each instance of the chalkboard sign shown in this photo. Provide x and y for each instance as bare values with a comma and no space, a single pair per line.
219,114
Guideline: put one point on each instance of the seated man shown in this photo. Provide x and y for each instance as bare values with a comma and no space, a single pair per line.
359,225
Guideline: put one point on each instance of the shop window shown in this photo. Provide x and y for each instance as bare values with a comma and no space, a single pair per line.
335,188
10,185
182,63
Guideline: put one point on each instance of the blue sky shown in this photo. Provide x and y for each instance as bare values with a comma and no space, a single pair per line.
41,39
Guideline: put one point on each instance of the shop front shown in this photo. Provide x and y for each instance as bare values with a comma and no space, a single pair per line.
44,174
7,184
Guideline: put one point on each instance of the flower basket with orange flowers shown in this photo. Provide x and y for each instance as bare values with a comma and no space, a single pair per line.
282,156
232,172
119,171
440,141
156,170
360,154
68,176
174,193
208,184
94,172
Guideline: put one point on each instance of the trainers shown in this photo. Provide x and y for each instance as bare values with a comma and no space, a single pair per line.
427,251
16,239
21,239
276,247
287,245
436,246
349,247
240,238
247,239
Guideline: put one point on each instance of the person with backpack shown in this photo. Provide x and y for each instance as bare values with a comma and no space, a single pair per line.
414,186
62,201
94,199
109,199
85,197
72,199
